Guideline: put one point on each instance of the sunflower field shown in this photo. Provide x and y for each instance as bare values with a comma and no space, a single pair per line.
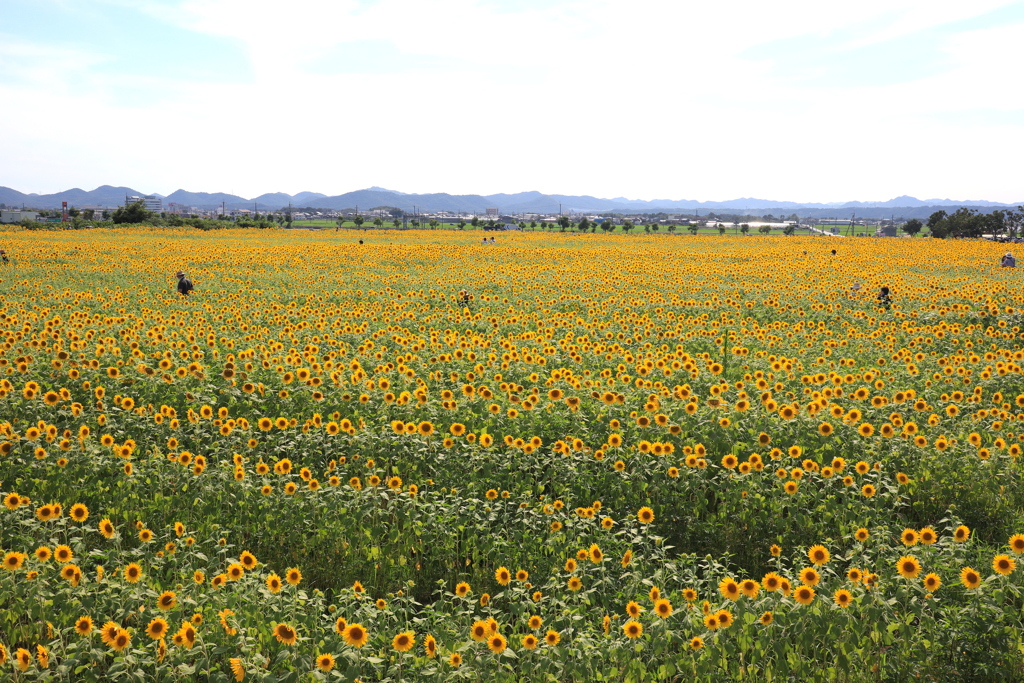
556,458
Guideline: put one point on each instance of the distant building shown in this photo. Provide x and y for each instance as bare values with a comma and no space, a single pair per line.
886,231
18,216
835,221
152,203
492,212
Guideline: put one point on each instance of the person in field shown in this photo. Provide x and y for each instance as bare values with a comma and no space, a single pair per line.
3,256
884,298
1008,261
184,284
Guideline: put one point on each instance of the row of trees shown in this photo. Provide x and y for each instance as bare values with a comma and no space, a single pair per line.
968,223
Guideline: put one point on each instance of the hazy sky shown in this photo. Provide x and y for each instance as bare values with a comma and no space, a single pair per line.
801,100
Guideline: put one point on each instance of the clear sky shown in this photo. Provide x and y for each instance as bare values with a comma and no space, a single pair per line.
790,100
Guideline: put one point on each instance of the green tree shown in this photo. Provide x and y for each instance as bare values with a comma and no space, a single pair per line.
721,229
745,228
937,225
627,225
433,224
564,222
359,220
73,212
1014,222
475,222
414,223
583,225
378,222
789,229
765,229
693,228
133,213
913,226
396,223
462,224
671,228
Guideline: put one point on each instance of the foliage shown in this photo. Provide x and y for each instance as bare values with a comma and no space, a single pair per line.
133,213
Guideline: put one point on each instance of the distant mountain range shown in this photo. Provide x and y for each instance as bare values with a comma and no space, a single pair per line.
521,202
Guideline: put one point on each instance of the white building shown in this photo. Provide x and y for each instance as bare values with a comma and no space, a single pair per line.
152,203
17,216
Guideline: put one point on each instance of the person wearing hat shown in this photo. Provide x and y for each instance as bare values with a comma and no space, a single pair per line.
1008,261
184,284
3,256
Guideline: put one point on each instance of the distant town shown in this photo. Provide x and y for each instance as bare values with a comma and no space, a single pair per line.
493,218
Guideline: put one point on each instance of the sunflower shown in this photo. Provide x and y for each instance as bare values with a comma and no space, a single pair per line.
711,622
750,588
809,576
767,618
963,533
132,573
83,626
729,588
285,634
502,575
970,578
157,629
1003,564
462,589
293,576
109,632
79,512
842,597
909,537
932,582
804,595
530,642
430,646
724,617
818,555
166,601
325,662
237,668
404,641
248,560
663,608
868,491
496,643
63,554
1016,543
574,583
645,515
121,641
862,534
355,635
633,629
479,631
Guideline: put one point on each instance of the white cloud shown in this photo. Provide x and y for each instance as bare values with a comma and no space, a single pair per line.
640,99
